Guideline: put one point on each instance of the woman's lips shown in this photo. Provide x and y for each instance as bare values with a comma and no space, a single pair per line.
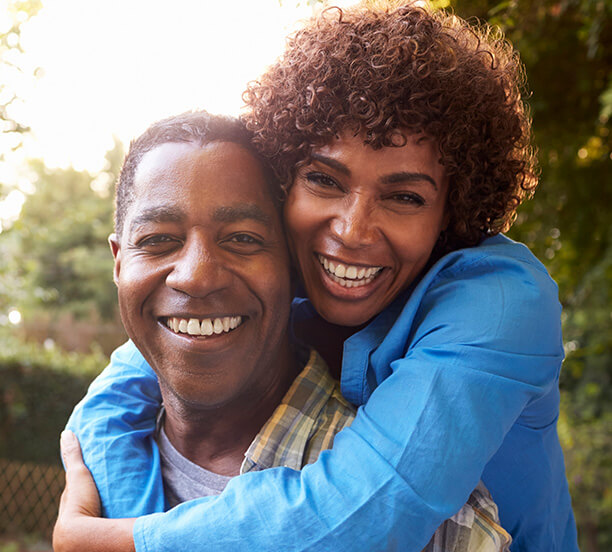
347,275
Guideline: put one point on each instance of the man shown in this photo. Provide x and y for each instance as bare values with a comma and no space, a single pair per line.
203,279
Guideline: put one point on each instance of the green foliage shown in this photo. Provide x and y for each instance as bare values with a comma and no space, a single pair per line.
567,49
24,543
586,443
38,390
57,254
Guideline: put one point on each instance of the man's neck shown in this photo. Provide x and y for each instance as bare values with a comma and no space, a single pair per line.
217,438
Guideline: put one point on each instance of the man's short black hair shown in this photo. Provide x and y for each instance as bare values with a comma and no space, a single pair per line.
197,127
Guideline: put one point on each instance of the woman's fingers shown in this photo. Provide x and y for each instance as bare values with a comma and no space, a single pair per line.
71,450
79,526
80,497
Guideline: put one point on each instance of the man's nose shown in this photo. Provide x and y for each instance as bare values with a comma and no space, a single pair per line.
353,223
198,270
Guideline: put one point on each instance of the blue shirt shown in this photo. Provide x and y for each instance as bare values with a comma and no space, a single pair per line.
456,380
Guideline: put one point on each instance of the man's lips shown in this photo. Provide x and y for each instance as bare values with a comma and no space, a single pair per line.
202,326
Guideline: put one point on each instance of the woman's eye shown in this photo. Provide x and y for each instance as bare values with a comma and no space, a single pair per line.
321,179
408,198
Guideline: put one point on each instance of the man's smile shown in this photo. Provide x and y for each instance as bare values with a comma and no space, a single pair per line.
202,326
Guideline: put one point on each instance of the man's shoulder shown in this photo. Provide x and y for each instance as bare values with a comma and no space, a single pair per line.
305,422
333,414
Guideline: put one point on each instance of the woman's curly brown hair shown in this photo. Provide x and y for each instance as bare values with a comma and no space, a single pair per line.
408,70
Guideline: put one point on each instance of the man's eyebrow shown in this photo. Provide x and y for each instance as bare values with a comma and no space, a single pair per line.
157,214
235,213
407,176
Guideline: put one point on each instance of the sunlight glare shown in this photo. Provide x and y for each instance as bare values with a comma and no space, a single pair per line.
115,66
14,317
10,206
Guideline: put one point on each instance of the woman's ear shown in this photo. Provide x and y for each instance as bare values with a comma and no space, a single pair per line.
113,241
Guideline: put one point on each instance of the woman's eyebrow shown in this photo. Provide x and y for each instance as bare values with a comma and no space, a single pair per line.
408,176
394,178
333,163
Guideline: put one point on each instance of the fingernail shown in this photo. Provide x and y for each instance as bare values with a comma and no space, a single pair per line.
67,437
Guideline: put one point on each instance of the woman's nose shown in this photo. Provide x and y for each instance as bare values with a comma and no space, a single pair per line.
353,223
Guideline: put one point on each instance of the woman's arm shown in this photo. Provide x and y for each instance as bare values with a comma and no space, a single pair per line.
115,423
485,343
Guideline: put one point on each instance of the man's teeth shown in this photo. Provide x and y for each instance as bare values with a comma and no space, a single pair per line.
349,275
206,326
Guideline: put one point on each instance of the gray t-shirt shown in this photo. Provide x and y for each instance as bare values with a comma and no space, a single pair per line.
184,480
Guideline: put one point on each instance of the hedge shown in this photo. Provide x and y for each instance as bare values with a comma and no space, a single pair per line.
38,390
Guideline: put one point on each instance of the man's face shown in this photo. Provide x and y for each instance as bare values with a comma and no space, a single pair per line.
202,272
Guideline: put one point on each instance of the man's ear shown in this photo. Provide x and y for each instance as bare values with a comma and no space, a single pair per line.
113,241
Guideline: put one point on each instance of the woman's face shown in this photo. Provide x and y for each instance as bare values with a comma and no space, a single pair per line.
362,223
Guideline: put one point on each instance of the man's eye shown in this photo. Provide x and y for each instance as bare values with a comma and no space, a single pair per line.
157,241
245,239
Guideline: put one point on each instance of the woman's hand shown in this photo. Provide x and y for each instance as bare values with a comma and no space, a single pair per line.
79,527
80,497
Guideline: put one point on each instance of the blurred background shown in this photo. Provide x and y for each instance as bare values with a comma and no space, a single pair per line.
79,79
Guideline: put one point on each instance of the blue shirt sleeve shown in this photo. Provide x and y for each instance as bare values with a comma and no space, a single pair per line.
483,350
475,347
115,423
480,345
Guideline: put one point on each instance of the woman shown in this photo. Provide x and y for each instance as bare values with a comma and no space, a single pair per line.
405,144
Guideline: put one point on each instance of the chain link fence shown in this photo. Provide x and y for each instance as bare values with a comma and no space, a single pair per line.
29,497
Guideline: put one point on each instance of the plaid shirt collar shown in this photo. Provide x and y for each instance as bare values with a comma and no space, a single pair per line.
284,438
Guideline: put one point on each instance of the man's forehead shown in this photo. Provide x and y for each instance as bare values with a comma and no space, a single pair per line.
156,159
166,159
213,163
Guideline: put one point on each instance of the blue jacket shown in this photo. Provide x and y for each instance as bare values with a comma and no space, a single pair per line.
456,380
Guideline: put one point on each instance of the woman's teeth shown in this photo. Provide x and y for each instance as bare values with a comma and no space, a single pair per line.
349,275
206,326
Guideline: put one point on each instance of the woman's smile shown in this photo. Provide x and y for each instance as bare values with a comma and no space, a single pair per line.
346,281
349,275
363,223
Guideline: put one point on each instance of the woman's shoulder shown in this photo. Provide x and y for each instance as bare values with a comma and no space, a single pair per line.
496,251
491,308
496,292
499,269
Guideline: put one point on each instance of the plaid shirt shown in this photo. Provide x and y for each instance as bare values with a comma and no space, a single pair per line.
305,423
